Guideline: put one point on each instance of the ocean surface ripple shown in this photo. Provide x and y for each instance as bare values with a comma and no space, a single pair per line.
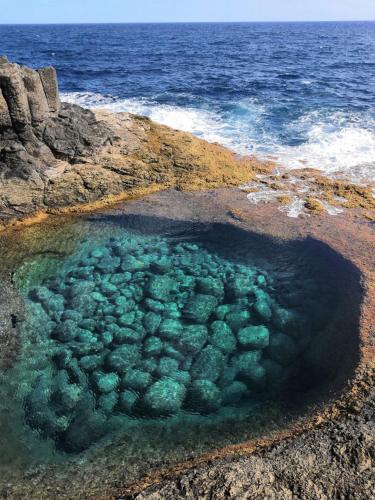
301,93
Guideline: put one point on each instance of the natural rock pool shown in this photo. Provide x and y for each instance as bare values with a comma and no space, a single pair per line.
143,330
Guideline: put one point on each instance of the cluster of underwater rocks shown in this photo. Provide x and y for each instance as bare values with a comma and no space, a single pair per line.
147,328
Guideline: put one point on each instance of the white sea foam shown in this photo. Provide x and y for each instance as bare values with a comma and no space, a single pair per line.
337,143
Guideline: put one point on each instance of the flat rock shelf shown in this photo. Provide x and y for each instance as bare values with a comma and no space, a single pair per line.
165,335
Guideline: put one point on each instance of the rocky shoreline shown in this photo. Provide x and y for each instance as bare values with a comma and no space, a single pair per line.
57,157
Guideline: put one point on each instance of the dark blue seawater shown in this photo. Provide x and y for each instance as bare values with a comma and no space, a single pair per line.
303,92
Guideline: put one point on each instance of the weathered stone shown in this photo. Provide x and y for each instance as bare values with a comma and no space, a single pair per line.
209,364
164,397
263,310
204,396
159,288
192,338
170,329
49,81
253,337
127,401
123,358
237,319
167,366
153,346
136,380
105,382
66,331
151,322
211,286
222,337
200,307
107,402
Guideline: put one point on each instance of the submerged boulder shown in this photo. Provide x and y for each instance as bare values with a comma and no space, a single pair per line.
254,337
164,397
204,396
200,307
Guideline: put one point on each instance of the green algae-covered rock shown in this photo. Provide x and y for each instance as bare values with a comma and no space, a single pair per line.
170,351
124,305
100,253
209,364
127,401
154,305
164,397
204,396
66,331
186,282
120,278
69,396
106,338
161,266
151,322
85,305
233,393
149,365
108,289
254,376
122,358
172,311
200,307
249,369
246,360
239,286
253,337
88,324
76,374
108,265
81,288
170,329
91,363
228,375
211,286
136,380
237,319
263,310
72,315
127,319
192,338
221,311
282,349
153,346
86,337
127,336
167,365
181,376
132,264
105,382
62,357
159,288
222,337
107,402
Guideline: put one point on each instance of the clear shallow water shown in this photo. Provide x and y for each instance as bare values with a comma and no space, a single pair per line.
303,92
182,337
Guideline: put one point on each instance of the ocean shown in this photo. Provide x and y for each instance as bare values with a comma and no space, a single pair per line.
300,93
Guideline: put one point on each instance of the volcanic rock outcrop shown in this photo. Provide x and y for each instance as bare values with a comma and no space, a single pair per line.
55,154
